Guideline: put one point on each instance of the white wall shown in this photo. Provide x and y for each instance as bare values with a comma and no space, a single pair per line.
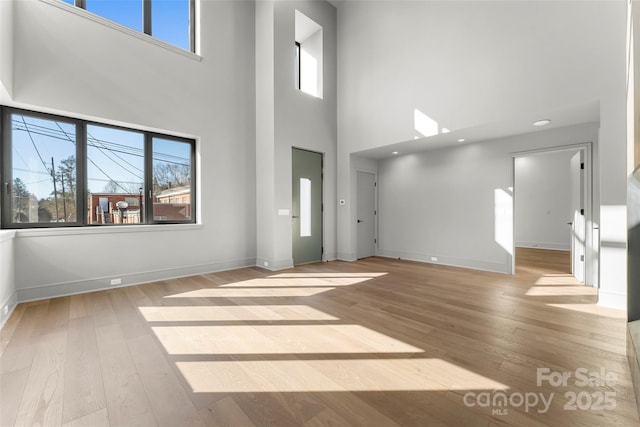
454,204
469,63
6,50
299,120
69,64
543,200
8,295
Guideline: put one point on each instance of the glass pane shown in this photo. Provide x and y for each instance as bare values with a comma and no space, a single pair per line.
297,64
305,207
171,180
170,22
115,176
125,12
71,2
43,170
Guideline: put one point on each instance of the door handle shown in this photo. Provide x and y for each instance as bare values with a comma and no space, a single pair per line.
570,223
294,216
359,221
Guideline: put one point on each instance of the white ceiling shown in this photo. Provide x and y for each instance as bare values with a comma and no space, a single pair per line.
568,116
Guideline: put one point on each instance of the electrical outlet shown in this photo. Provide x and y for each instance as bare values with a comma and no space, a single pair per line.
434,259
117,281
266,263
5,310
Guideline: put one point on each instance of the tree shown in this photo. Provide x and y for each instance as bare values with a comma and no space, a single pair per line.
62,202
169,175
21,201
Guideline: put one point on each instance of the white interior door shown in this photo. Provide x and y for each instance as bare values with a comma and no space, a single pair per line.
366,214
577,222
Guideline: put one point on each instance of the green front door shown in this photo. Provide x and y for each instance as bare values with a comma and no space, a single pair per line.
306,206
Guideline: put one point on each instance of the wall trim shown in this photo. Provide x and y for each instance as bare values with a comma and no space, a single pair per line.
612,300
7,235
544,245
11,303
103,283
348,257
449,261
282,264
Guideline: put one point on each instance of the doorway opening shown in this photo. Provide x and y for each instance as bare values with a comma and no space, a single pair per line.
552,202
306,206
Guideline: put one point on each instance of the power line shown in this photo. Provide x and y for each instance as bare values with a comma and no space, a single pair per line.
35,146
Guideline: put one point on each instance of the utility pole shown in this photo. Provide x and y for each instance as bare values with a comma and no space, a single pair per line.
64,197
55,192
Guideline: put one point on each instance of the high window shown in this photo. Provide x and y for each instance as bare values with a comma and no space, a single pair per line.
171,21
58,171
308,55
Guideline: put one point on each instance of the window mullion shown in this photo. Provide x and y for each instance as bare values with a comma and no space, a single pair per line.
146,16
5,167
82,205
192,25
148,178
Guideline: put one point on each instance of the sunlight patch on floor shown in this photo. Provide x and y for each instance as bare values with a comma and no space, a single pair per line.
297,282
557,279
325,275
331,376
277,339
233,313
251,292
593,309
539,291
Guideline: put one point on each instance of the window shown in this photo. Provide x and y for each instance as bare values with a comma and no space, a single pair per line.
42,171
171,21
297,64
308,55
125,12
59,171
172,168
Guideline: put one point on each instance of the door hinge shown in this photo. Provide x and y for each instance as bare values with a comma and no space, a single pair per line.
375,240
582,212
375,212
581,165
375,184
581,257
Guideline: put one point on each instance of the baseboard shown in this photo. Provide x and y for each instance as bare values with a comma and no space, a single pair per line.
612,300
544,245
102,283
274,265
450,261
633,354
347,256
11,304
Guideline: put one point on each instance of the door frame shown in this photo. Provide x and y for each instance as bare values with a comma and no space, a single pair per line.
592,238
323,256
375,203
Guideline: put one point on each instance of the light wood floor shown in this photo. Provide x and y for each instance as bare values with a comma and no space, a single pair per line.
377,342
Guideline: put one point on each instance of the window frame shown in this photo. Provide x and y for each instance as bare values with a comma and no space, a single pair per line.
147,18
298,65
82,195
148,158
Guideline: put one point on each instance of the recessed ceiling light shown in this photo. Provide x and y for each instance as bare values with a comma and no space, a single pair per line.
542,122
394,153
461,140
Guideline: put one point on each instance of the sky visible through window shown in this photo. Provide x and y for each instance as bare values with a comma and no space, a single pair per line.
169,18
115,157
